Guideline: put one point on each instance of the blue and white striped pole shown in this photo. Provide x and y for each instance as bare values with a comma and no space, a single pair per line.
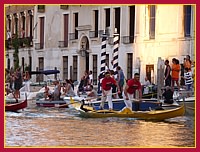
115,51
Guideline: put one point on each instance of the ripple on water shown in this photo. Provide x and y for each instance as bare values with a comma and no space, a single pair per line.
62,127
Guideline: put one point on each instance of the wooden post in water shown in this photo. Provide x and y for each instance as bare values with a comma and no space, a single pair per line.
160,77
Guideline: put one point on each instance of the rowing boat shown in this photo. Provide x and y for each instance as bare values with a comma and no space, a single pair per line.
126,112
158,115
50,103
16,106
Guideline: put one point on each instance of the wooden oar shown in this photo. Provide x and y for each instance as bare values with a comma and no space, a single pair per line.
14,97
67,104
145,100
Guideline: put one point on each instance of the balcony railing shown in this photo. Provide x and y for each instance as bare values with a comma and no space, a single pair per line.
93,34
62,44
8,44
101,32
127,39
28,41
39,46
22,42
73,36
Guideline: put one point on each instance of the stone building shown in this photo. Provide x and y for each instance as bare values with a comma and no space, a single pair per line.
68,37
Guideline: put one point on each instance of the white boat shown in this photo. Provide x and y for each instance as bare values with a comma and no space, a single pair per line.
50,103
189,103
23,93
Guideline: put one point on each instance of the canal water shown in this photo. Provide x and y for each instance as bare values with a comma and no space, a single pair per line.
53,127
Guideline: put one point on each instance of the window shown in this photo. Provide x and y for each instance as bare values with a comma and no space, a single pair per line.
41,68
23,64
152,20
16,24
96,22
75,66
117,19
129,65
132,24
95,69
23,25
65,67
76,24
66,23
31,24
187,20
41,8
107,13
8,64
41,32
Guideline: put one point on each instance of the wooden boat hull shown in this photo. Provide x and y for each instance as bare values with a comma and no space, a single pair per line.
16,106
48,103
157,115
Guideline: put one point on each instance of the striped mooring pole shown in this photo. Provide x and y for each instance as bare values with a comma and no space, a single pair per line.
103,54
103,60
115,50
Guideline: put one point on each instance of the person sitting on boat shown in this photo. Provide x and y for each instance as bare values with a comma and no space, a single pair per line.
106,85
67,89
93,93
132,88
168,95
47,92
57,89
145,86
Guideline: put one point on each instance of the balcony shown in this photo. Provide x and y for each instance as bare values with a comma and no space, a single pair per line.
93,34
62,44
20,42
73,36
127,39
28,41
8,44
39,46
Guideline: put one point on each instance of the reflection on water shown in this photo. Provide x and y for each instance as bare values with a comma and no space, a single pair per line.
39,127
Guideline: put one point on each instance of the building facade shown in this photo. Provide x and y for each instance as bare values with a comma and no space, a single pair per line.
68,37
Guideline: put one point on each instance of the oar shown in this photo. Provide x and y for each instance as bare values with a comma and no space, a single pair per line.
144,100
67,104
14,96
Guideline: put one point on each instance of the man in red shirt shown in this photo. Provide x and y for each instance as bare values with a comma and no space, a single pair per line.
106,85
132,88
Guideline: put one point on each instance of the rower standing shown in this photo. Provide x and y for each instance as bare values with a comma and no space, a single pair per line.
132,88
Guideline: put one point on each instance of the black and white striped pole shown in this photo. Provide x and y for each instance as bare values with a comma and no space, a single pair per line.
103,54
115,50
103,60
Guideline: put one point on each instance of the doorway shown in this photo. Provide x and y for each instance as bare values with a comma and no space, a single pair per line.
150,72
